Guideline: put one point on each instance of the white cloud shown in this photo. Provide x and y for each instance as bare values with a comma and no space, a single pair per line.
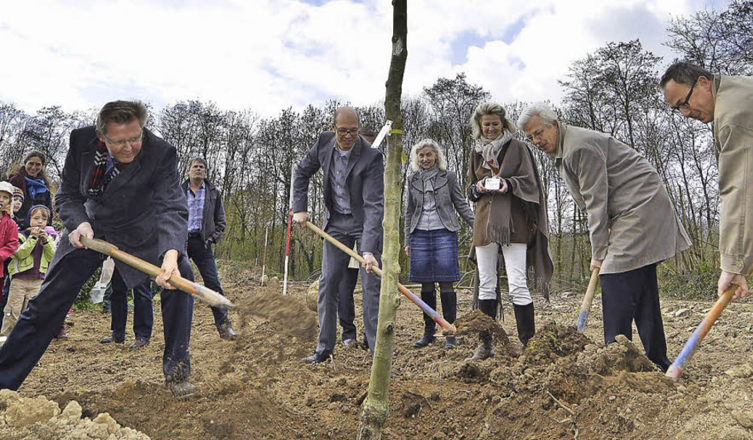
268,55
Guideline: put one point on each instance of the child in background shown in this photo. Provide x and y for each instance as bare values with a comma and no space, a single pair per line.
8,228
28,265
18,201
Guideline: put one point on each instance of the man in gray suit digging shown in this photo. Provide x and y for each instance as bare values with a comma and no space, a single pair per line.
353,182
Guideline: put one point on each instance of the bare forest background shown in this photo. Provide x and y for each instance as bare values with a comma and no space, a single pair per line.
613,90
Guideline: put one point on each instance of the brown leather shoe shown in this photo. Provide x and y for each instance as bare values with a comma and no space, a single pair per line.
139,343
182,390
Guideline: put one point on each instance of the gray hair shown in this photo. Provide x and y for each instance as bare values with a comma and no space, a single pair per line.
489,108
121,112
540,109
441,162
684,73
198,159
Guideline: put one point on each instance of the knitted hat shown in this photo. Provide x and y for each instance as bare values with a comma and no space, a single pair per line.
7,187
18,192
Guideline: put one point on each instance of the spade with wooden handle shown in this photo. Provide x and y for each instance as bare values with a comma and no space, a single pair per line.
209,296
585,307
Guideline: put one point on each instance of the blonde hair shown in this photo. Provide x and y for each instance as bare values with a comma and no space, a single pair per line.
489,108
441,162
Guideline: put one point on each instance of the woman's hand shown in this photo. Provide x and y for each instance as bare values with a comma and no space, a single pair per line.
480,188
407,250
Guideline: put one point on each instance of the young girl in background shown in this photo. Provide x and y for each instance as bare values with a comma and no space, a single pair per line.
8,229
28,265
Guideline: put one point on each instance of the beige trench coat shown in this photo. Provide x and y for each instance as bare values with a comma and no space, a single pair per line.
631,220
733,136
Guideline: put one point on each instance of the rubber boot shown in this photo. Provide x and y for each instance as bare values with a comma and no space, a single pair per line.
485,350
430,298
524,318
449,312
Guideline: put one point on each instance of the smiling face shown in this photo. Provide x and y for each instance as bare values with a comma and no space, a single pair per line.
427,157
541,135
695,102
346,129
491,126
33,166
123,141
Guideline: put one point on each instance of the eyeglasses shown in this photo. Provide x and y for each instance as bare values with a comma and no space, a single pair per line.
535,134
344,131
123,142
684,104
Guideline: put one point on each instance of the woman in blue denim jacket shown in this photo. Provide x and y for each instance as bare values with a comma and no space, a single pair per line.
431,226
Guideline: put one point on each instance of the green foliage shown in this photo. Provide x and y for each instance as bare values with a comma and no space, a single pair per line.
82,301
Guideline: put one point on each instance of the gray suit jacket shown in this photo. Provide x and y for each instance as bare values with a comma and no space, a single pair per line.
364,180
143,211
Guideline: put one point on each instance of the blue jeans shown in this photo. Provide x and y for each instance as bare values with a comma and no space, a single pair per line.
203,257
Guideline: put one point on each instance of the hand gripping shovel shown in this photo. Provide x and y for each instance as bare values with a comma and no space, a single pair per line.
448,328
209,296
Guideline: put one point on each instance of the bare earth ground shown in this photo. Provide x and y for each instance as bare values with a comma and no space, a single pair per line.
565,385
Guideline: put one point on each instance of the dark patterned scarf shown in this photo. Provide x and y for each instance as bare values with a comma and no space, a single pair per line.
100,176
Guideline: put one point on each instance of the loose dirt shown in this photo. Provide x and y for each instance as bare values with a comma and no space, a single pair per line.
563,385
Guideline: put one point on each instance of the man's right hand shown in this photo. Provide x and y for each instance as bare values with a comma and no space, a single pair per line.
83,230
301,218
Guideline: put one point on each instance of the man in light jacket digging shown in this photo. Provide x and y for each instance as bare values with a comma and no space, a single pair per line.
631,221
725,101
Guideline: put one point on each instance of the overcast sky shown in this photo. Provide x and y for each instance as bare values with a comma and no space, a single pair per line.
267,55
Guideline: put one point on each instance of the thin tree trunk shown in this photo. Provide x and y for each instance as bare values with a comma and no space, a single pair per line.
376,405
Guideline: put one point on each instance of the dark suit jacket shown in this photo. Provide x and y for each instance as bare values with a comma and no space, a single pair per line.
143,211
364,180
213,217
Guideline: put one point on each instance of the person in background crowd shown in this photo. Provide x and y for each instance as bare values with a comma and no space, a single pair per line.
8,229
28,265
32,180
206,224
431,224
18,200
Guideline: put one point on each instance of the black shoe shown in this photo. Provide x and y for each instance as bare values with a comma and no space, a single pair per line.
450,342
427,339
112,338
182,390
317,357
139,343
226,331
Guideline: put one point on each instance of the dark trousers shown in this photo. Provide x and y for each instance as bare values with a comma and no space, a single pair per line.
338,281
41,321
203,257
4,295
634,295
346,307
143,314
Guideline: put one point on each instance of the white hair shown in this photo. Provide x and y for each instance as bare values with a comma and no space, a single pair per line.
441,162
540,109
